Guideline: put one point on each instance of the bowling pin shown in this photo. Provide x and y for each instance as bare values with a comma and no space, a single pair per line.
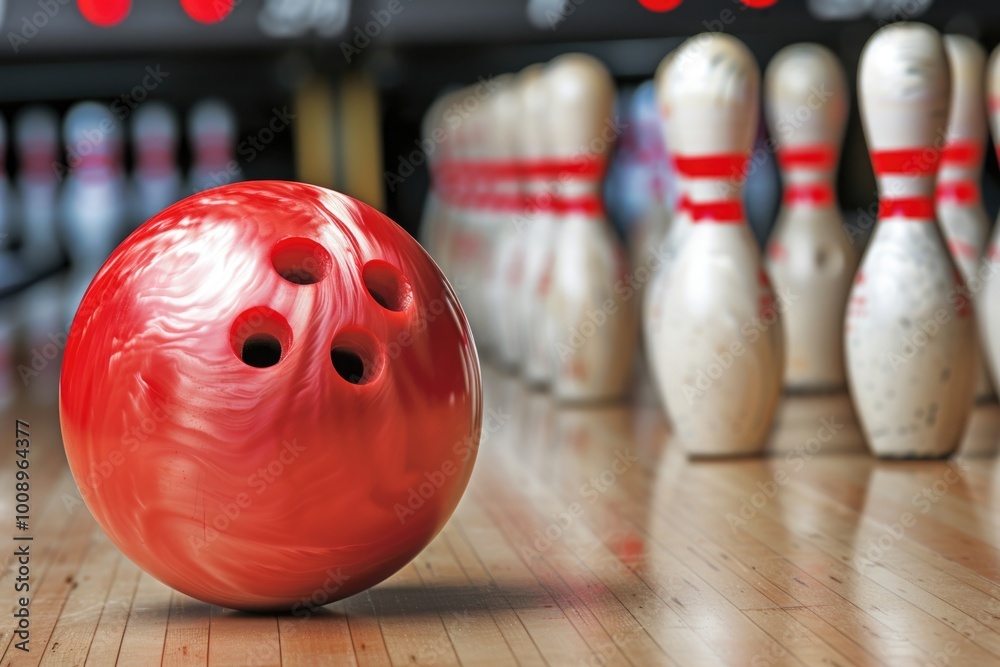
36,140
444,174
507,201
591,315
719,350
93,205
989,297
910,328
538,223
156,180
810,258
664,250
960,211
212,134
471,252
433,136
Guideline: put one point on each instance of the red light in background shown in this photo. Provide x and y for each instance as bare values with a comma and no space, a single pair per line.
659,5
207,11
758,4
104,13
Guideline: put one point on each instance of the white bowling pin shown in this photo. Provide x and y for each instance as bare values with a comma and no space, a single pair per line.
810,258
93,203
36,139
910,328
212,135
446,221
960,211
664,250
433,138
538,224
719,351
156,180
989,296
471,253
592,318
505,285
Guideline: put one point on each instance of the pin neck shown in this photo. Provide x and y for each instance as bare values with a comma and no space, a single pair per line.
808,174
811,195
95,166
213,152
711,186
958,183
38,163
813,157
916,209
155,160
919,161
906,178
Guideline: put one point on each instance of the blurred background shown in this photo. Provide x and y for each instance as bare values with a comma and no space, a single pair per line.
190,94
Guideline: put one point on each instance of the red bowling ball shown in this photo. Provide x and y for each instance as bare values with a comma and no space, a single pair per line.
270,398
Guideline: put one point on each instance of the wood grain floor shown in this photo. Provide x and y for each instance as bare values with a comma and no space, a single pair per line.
585,538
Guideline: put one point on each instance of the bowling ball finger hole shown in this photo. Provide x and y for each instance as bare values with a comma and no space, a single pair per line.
357,356
261,351
260,337
387,285
301,261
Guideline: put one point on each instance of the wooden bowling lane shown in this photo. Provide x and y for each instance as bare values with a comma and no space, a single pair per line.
585,538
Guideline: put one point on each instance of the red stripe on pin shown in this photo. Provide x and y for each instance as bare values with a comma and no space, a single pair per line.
957,192
587,205
918,161
961,154
710,166
726,211
918,208
809,194
806,157
583,165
